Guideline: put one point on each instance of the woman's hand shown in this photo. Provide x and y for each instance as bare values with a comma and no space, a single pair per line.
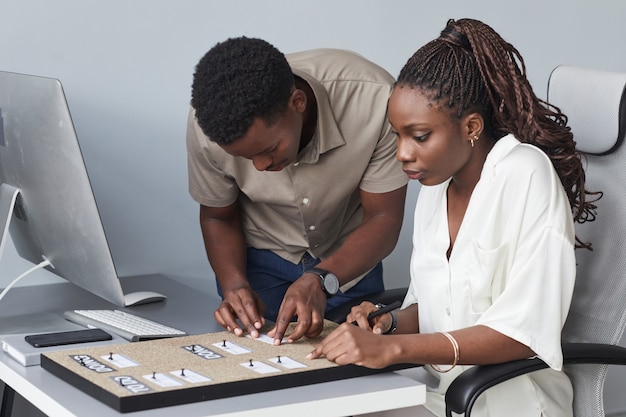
358,315
349,344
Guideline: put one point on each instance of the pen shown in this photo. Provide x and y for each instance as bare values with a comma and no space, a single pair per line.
382,310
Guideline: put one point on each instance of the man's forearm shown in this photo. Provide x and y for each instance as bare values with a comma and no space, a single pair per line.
225,246
371,242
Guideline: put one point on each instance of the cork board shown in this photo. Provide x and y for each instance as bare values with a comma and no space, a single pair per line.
159,373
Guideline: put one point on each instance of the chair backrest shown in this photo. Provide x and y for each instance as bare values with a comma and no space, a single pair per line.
595,103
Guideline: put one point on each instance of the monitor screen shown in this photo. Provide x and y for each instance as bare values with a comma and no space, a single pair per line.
43,178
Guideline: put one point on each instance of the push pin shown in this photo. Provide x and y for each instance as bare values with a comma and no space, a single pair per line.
251,364
110,356
278,359
182,372
224,344
153,375
121,382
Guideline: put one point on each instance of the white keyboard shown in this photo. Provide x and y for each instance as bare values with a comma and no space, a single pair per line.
126,325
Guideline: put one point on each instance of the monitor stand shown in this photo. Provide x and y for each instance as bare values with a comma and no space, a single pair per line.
142,297
8,197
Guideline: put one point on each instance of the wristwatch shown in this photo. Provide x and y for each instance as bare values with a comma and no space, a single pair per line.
394,323
330,283
394,320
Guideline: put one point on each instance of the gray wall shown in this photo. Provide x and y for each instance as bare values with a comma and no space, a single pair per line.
126,67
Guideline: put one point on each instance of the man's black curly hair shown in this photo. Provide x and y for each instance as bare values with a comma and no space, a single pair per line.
237,81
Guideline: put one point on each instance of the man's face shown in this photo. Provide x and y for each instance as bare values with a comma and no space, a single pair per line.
272,148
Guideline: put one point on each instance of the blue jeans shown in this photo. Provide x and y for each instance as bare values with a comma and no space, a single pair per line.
270,275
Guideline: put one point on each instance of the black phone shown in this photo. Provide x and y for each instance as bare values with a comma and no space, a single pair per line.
67,338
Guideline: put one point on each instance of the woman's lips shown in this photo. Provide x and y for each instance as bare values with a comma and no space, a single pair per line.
414,175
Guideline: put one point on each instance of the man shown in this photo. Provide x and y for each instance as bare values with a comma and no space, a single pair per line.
293,163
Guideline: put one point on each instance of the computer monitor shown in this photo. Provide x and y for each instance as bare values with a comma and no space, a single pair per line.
46,199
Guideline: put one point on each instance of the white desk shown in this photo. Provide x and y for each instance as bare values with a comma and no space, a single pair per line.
192,311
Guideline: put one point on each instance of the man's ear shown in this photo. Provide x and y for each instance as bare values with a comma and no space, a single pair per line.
298,100
474,124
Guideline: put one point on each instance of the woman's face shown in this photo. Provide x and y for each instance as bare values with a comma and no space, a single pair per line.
432,145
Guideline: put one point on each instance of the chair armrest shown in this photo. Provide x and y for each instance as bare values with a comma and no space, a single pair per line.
468,386
593,353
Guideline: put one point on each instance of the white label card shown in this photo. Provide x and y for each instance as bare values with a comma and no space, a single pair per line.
162,380
229,347
266,339
286,362
119,361
190,376
260,367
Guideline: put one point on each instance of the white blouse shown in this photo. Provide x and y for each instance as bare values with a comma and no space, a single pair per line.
512,268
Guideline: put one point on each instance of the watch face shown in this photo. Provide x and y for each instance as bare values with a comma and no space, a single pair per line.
331,283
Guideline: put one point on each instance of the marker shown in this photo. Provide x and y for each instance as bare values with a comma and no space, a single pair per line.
382,310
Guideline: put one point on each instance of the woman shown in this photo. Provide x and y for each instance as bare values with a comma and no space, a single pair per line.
493,266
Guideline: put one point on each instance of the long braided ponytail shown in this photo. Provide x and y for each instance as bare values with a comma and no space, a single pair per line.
470,68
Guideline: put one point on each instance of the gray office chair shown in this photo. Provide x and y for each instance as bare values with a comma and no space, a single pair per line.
595,103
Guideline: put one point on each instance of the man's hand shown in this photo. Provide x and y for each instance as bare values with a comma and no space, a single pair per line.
243,304
304,299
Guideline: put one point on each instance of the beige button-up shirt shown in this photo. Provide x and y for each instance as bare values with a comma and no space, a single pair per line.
314,204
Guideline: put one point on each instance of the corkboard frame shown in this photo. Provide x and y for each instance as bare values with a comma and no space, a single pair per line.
230,384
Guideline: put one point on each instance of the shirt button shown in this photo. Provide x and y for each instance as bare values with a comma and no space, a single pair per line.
311,227
295,164
305,200
448,311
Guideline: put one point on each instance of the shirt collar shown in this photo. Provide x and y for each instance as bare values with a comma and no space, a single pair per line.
500,150
327,135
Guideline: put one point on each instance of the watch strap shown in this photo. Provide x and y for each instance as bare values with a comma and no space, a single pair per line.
394,323
319,271
322,274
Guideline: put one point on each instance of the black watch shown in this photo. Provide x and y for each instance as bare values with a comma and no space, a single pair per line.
330,283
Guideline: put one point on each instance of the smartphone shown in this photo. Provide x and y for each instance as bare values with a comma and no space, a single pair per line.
67,338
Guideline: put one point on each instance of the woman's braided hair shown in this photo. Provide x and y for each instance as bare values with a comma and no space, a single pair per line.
472,69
